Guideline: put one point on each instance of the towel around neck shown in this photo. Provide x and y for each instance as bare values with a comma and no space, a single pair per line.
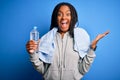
47,44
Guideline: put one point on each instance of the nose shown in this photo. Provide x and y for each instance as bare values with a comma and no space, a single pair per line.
63,17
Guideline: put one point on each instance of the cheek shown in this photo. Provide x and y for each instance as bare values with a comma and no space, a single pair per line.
58,22
58,19
69,19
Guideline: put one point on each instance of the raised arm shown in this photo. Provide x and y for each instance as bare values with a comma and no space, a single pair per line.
85,63
100,36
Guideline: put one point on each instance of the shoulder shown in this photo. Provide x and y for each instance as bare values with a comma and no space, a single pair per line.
81,31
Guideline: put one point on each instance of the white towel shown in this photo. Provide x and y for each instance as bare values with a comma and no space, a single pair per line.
47,44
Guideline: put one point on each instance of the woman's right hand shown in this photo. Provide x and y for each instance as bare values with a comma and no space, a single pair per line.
31,46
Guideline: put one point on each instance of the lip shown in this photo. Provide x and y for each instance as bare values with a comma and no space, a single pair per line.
64,22
64,25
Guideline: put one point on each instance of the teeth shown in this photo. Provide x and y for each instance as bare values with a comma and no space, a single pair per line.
64,22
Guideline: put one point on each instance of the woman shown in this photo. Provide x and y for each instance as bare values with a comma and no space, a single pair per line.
68,54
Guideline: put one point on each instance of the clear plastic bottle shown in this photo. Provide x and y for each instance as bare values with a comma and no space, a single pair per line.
34,34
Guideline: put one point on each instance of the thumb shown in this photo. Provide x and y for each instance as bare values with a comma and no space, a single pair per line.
39,41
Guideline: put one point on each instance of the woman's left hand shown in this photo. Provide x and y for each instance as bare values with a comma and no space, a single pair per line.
100,36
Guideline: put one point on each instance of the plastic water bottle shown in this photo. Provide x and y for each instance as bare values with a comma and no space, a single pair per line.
34,34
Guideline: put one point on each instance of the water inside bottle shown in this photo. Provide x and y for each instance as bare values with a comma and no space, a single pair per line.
34,34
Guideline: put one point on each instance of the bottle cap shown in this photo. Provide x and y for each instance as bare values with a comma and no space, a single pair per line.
35,27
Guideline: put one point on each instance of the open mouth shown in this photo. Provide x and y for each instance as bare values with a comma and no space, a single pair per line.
64,23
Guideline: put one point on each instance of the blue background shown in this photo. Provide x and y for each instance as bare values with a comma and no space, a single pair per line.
17,18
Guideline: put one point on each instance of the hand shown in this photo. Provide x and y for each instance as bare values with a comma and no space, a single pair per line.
31,46
100,36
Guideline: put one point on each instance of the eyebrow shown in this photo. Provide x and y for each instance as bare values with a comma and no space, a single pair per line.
66,11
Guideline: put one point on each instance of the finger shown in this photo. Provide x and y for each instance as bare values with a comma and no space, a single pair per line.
39,41
31,51
107,32
32,43
31,46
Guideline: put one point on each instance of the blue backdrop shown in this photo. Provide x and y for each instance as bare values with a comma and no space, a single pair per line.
17,18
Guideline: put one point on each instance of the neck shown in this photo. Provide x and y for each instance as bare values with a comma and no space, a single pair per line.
62,33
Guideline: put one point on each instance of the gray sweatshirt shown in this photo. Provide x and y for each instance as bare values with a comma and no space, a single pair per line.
67,64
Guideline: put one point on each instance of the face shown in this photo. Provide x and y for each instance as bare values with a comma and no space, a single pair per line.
64,18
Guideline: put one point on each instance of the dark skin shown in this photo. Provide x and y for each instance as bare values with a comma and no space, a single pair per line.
100,36
64,19
31,45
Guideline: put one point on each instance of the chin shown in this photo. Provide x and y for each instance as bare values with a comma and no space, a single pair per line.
64,31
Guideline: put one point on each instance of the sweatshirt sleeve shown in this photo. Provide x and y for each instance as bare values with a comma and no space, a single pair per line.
37,63
85,63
